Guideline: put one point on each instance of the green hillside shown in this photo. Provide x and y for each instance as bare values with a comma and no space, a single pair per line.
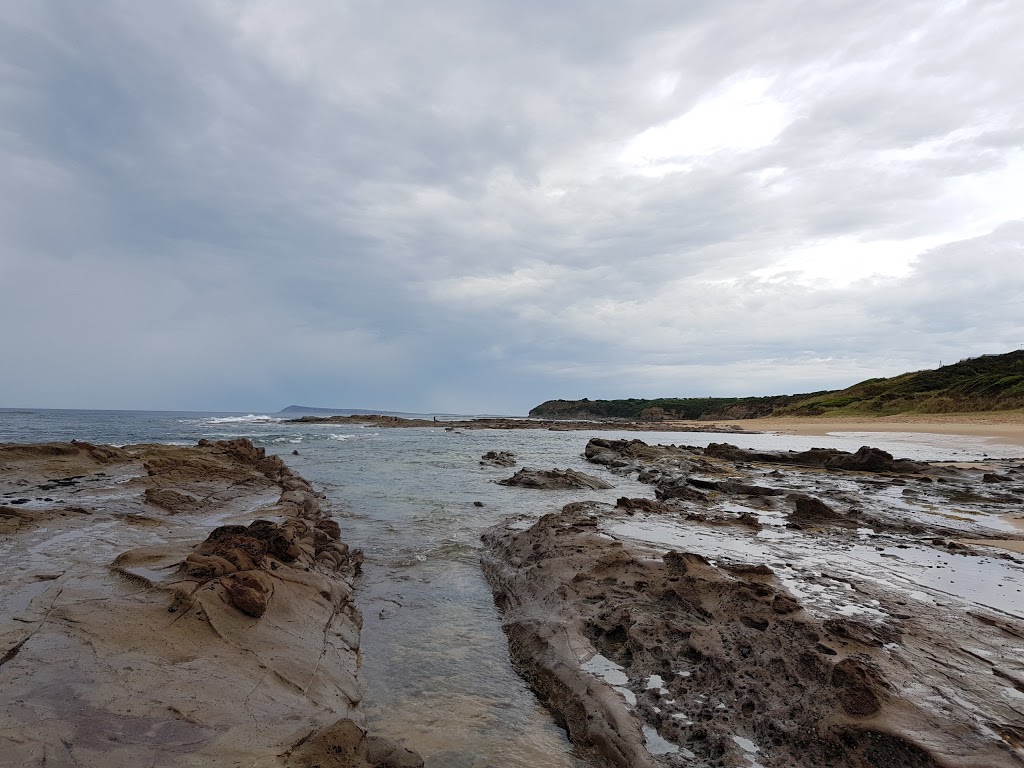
688,408
986,383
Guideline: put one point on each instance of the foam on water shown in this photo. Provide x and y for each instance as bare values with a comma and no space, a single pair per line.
252,418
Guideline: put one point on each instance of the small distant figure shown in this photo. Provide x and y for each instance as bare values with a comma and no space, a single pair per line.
295,452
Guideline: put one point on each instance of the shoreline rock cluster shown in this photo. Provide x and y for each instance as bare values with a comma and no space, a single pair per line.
176,606
775,609
553,425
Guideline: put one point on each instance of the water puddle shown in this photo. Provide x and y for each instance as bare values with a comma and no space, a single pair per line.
798,560
658,745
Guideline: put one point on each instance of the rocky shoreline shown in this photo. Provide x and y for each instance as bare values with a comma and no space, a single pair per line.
776,609
555,425
168,605
189,606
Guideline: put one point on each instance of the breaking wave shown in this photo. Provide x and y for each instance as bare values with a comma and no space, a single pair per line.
250,419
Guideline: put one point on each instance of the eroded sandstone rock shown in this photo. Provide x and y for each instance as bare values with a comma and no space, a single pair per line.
132,644
708,651
171,500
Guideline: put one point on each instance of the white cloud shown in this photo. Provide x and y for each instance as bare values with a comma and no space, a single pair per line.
739,117
841,261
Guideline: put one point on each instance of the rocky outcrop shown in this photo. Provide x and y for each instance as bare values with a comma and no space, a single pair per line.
677,660
643,505
164,605
866,459
809,511
672,488
623,453
554,480
712,483
450,425
771,608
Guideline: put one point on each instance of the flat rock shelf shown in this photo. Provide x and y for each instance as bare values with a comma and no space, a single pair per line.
168,605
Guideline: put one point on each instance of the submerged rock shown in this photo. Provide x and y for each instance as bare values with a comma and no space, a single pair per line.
498,459
345,744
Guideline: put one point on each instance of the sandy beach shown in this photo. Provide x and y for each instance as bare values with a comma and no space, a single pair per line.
1006,427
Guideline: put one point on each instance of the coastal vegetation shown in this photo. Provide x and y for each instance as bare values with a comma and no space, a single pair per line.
985,383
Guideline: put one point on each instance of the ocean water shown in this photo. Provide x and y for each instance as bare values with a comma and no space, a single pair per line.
435,661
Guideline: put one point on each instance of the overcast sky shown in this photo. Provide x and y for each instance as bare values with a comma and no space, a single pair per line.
476,206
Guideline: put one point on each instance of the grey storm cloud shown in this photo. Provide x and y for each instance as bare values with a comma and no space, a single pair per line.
477,206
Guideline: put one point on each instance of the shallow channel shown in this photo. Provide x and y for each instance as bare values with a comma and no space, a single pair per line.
435,660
